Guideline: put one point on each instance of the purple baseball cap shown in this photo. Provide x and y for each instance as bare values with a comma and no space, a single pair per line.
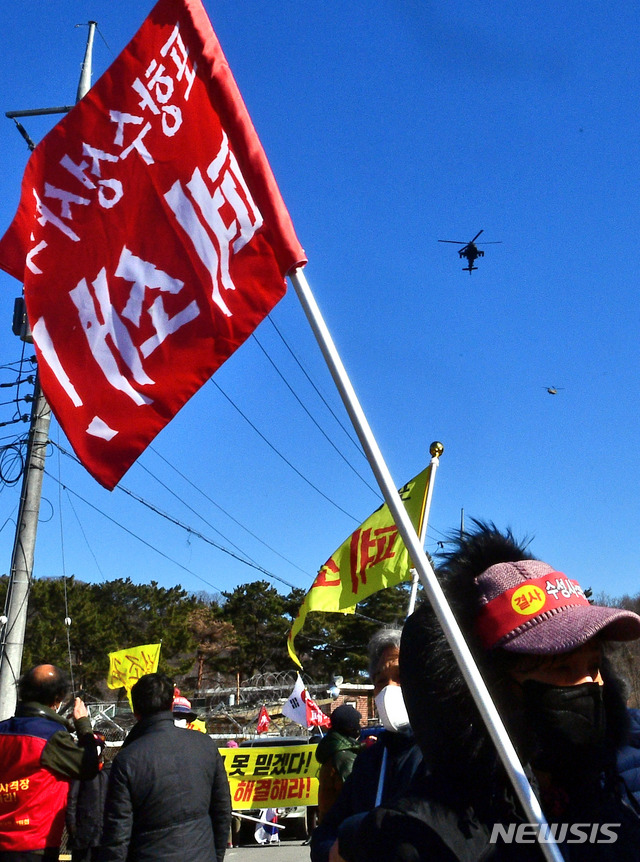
529,607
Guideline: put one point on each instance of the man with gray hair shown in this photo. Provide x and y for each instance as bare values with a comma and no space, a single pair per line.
380,772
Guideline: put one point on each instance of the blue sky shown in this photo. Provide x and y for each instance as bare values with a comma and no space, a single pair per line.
388,127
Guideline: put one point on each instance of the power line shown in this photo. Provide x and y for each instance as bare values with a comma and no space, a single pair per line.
224,512
195,512
204,538
185,527
30,379
176,522
134,535
317,424
26,398
317,390
84,535
247,559
23,418
280,455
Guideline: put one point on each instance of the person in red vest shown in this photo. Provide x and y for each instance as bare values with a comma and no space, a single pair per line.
39,758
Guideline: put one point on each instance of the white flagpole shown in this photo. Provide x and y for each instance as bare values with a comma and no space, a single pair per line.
435,450
461,651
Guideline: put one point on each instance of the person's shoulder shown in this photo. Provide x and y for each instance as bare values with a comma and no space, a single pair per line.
34,723
202,741
432,828
200,748
634,727
347,754
190,739
341,740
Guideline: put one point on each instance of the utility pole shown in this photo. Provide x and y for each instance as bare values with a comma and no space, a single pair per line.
14,625
23,552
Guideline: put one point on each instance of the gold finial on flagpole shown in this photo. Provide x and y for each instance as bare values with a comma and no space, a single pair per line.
436,449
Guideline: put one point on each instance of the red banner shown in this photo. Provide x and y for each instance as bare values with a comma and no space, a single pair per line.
264,720
151,239
315,716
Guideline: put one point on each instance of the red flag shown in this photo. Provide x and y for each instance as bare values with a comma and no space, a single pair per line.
315,716
151,238
264,719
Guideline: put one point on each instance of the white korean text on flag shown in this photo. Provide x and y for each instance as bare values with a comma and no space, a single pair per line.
151,239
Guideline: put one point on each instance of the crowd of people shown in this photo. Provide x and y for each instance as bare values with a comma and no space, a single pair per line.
165,797
431,788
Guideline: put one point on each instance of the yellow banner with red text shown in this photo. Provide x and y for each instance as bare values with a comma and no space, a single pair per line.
278,777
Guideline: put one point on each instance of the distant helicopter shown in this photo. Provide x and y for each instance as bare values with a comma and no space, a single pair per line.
470,250
553,390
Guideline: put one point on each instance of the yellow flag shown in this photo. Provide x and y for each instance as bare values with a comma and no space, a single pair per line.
126,666
372,558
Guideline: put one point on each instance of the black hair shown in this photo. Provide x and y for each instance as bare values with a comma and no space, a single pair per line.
47,689
151,694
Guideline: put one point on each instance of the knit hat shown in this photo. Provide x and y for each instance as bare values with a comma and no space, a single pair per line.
527,607
346,719
182,706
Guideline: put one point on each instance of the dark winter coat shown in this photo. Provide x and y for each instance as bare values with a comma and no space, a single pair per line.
395,770
85,810
168,797
449,815
629,756
428,826
336,754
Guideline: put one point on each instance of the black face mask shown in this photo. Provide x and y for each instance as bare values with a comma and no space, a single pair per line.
567,725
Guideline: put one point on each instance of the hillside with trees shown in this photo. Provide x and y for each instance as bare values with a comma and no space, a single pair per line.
219,643
206,642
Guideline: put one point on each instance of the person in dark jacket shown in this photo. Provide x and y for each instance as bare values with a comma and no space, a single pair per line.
336,753
381,771
540,646
168,796
85,810
38,760
629,755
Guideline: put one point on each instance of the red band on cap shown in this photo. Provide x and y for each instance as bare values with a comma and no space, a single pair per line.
528,600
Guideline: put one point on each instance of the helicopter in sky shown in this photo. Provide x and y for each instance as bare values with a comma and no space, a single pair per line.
553,390
470,250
